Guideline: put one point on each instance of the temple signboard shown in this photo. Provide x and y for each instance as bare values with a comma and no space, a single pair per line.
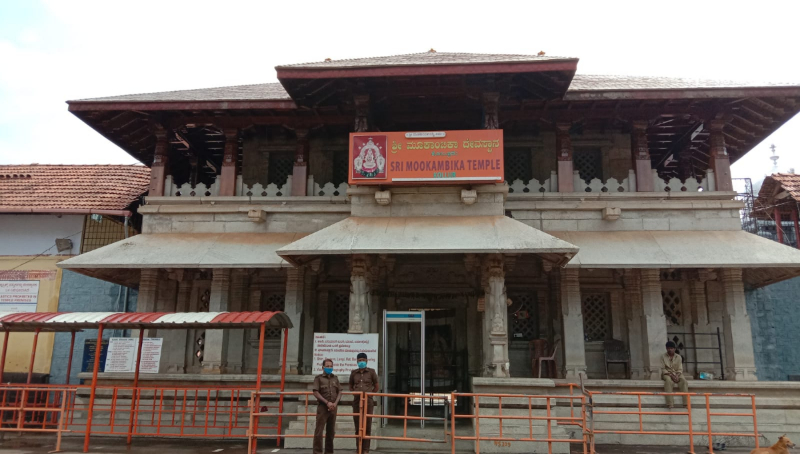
431,157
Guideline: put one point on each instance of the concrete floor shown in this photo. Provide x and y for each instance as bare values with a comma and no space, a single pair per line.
14,444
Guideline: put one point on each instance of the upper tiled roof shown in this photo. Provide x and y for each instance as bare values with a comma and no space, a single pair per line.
257,92
71,187
425,58
584,82
790,183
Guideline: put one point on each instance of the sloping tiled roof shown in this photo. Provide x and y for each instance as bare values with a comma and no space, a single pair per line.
71,187
790,183
425,58
585,82
257,92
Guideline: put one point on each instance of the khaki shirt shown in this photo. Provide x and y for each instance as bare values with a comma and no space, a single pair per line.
672,365
328,387
363,380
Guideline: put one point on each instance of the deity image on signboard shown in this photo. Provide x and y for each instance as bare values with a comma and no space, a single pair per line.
368,157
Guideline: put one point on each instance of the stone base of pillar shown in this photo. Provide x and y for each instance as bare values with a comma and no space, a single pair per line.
572,373
213,368
176,369
638,374
744,374
500,366
651,374
234,368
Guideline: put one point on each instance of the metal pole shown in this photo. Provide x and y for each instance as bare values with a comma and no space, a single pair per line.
283,383
33,354
71,349
3,358
719,350
135,393
422,371
384,399
93,391
256,400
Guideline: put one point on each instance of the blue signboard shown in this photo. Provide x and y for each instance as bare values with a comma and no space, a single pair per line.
89,350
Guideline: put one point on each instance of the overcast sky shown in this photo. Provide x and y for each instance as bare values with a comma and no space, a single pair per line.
53,51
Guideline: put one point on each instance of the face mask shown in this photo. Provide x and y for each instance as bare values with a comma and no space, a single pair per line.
327,370
362,364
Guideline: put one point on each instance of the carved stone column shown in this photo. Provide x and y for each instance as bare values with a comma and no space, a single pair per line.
491,114
564,156
641,157
700,319
633,312
740,360
175,340
216,347
160,167
227,176
720,161
654,323
294,310
362,113
496,313
309,318
236,338
300,169
359,296
572,317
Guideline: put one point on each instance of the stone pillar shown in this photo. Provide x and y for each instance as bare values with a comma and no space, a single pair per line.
555,321
362,113
238,302
294,310
148,290
720,162
700,319
572,317
740,360
634,314
564,156
641,157
496,313
359,296
491,108
215,352
309,318
227,176
654,323
300,170
160,167
175,340
322,311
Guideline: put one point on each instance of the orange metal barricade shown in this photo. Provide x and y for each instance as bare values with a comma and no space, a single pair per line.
539,408
408,399
690,432
305,399
34,409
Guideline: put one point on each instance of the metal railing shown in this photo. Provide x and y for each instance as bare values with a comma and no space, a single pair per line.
34,409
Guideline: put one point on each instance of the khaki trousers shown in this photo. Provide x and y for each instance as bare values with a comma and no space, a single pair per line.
669,385
357,419
326,420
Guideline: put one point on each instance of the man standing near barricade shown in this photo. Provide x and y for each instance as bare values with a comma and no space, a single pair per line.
672,373
328,392
363,379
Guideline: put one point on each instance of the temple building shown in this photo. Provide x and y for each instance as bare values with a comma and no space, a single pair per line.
600,219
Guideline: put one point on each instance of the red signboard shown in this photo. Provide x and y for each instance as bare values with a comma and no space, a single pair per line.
435,157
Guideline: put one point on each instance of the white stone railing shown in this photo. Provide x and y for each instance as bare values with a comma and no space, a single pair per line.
326,190
613,185
690,185
259,190
187,190
533,186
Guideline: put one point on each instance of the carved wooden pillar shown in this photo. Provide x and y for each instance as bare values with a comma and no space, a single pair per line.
300,170
572,317
362,113
633,312
778,224
740,360
720,161
641,157
227,176
158,171
359,296
491,117
654,323
564,156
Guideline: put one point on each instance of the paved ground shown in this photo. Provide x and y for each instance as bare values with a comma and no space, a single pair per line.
13,444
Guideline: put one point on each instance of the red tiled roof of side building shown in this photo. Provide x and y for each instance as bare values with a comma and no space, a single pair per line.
42,187
790,183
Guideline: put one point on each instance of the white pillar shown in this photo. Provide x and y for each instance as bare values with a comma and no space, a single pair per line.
654,323
174,344
496,315
214,354
309,310
238,295
148,292
633,312
700,321
572,326
359,297
740,360
294,310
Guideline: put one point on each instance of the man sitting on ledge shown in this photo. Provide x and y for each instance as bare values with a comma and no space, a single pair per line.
672,373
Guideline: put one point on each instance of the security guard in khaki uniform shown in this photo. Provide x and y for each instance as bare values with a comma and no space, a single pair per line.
328,392
363,379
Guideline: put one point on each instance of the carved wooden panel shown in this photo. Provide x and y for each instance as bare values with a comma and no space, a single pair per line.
339,313
281,165
596,316
673,306
518,165
589,164
273,302
523,321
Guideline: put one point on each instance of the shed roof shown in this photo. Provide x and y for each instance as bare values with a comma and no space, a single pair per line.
72,321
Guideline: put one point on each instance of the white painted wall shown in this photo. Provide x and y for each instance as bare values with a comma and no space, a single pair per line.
31,234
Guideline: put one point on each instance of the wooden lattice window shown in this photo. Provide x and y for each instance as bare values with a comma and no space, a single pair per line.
339,318
341,168
99,231
281,165
518,165
589,164
273,302
523,319
673,307
596,317
671,275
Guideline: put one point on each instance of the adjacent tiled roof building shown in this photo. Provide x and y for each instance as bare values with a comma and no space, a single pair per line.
63,188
